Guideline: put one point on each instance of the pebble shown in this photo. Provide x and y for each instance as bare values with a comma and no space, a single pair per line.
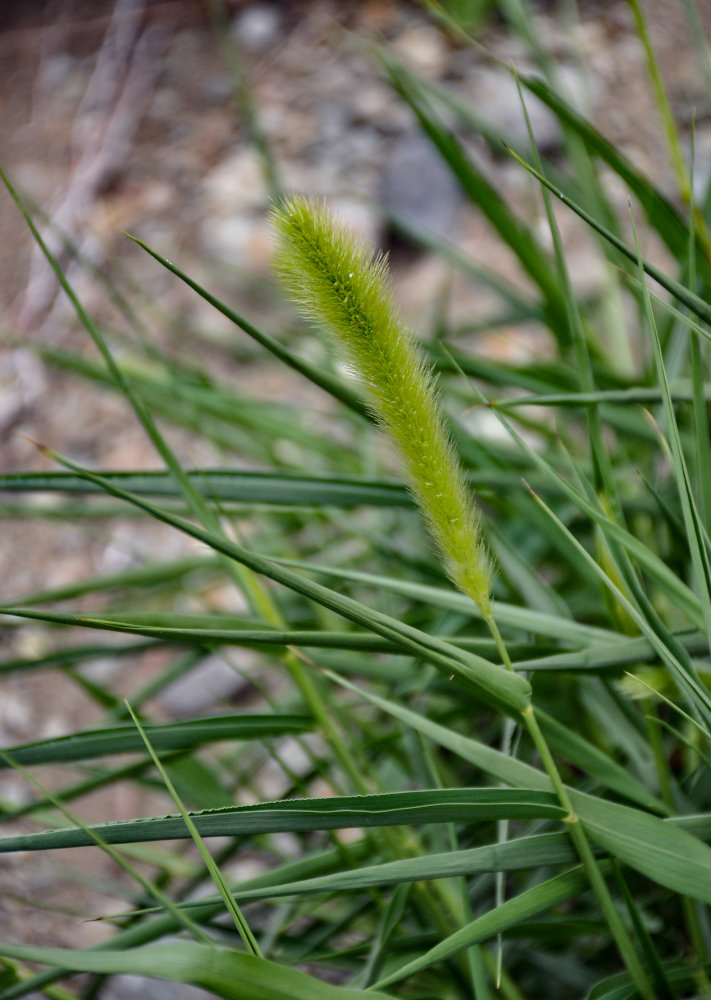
131,987
207,686
236,184
424,48
257,27
417,185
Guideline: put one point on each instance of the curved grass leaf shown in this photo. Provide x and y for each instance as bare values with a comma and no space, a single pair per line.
512,855
510,615
228,974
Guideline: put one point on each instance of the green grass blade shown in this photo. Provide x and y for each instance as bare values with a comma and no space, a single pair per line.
514,855
522,907
228,974
243,928
520,240
291,815
276,488
695,303
184,735
501,687
332,386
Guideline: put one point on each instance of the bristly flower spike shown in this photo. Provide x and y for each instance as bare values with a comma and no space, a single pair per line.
340,285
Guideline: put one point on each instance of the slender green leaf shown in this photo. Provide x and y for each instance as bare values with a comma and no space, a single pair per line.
522,907
494,684
336,813
226,973
184,735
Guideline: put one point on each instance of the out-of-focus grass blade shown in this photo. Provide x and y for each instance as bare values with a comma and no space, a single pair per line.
226,973
661,213
71,654
333,386
183,735
692,301
487,198
497,686
537,377
118,378
514,855
150,575
246,426
290,815
506,614
524,906
521,309
225,630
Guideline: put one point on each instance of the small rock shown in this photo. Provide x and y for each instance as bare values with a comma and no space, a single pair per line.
131,987
236,184
495,90
424,49
257,27
209,685
419,186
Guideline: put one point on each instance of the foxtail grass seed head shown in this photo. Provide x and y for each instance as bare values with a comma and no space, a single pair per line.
338,284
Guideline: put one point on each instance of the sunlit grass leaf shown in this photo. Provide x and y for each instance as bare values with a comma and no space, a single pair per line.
226,973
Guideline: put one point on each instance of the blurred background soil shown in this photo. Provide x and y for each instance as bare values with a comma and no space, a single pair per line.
140,116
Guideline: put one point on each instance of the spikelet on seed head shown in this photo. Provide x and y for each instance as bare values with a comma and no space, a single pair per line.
339,285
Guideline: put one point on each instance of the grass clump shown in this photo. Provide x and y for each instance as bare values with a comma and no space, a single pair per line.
502,789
